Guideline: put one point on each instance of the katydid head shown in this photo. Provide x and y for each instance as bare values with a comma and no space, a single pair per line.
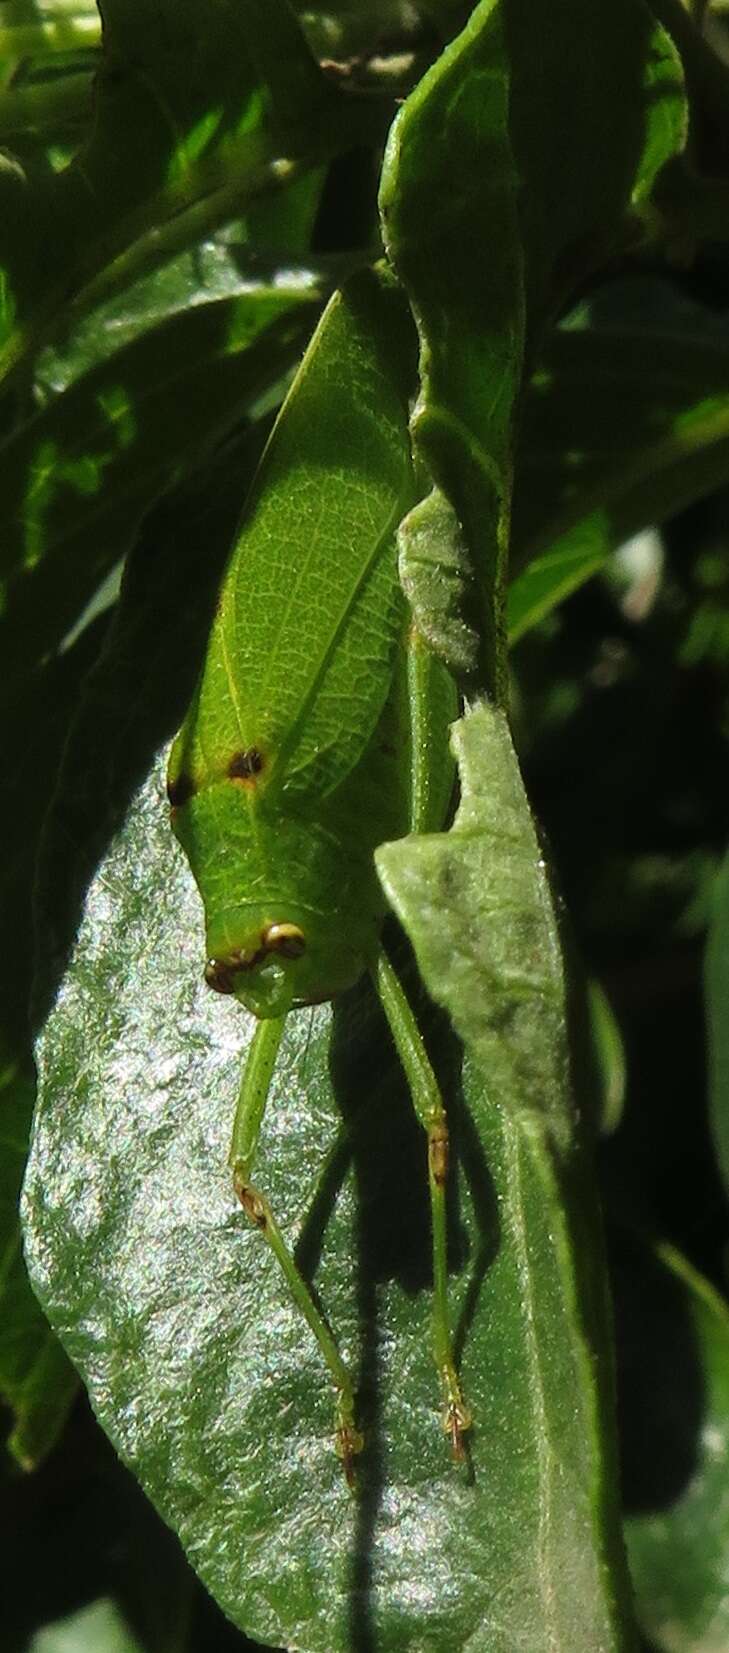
291,914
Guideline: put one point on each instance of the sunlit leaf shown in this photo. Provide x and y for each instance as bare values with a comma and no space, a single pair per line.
170,154
78,476
100,1628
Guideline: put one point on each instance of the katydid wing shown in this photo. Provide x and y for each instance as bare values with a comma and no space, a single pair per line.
318,730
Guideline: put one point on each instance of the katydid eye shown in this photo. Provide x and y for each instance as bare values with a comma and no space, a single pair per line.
286,939
219,976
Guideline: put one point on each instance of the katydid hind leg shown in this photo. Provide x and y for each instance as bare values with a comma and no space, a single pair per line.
428,1104
246,1130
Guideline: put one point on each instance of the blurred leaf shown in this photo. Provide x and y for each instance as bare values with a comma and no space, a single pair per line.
298,93
625,422
237,263
548,579
53,106
37,28
609,1057
356,29
674,1359
99,1628
48,53
717,1016
171,153
77,477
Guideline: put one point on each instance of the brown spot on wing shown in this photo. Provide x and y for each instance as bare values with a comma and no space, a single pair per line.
245,765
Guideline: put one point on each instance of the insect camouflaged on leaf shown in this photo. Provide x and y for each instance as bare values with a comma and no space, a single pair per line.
318,731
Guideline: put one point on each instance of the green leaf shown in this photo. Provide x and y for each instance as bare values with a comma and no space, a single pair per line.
99,1628
77,476
518,105
203,1374
60,105
48,53
246,261
717,1001
465,290
200,1370
549,578
171,154
53,24
609,442
675,1352
475,902
609,1057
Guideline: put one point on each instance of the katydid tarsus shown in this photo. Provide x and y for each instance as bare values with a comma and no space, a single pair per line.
318,731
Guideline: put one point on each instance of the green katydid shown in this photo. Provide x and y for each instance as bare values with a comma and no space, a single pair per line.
319,730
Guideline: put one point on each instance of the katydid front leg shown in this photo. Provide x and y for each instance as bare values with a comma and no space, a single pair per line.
246,1130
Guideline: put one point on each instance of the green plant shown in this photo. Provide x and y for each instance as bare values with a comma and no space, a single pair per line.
181,192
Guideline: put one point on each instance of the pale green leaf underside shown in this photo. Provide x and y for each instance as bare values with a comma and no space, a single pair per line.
436,573
476,904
